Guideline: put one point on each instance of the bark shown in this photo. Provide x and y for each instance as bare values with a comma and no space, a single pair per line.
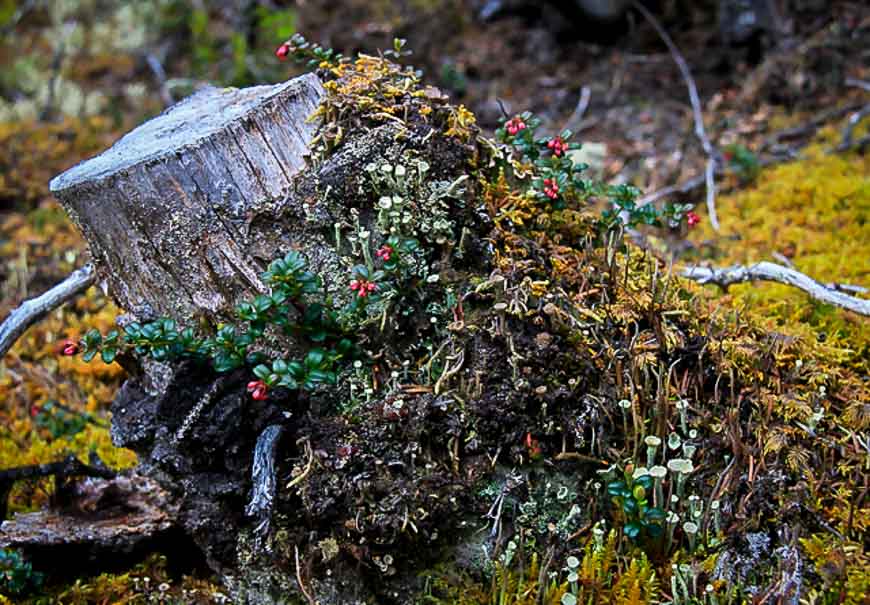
166,210
99,525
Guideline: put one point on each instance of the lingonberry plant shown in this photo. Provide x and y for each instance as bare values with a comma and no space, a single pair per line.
295,306
556,177
303,51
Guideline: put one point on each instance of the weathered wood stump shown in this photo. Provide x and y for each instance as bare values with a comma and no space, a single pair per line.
167,210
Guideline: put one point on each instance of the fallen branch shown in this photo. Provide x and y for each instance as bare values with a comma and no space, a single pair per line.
858,84
68,467
695,100
849,130
574,122
30,311
767,271
160,75
809,127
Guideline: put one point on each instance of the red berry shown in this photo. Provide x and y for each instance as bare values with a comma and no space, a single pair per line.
259,390
283,51
70,348
557,145
692,219
514,125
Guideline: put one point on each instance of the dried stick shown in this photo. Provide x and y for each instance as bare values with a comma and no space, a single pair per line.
305,592
849,130
858,84
574,122
68,467
30,311
695,100
767,271
160,75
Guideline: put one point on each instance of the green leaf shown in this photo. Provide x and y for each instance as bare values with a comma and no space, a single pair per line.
632,530
654,530
315,358
288,381
262,303
616,488
262,371
318,377
108,355
646,481
295,369
89,355
361,271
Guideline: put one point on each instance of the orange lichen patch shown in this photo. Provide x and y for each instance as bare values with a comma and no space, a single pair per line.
815,212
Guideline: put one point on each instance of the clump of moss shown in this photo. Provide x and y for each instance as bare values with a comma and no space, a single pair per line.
815,212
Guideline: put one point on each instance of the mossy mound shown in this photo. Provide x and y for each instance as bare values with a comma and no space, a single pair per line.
560,417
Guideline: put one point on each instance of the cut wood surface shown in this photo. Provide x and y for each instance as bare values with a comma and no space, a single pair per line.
165,209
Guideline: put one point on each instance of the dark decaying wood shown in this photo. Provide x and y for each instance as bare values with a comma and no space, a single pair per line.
102,522
166,210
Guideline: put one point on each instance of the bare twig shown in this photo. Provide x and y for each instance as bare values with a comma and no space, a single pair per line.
684,187
68,467
849,130
576,118
789,133
695,100
858,83
305,592
301,476
30,311
766,271
160,75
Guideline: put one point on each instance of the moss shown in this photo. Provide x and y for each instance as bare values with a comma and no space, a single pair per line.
815,212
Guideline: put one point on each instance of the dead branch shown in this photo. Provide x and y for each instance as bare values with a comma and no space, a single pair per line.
160,75
789,133
695,100
858,84
810,126
68,467
767,271
30,311
576,118
848,132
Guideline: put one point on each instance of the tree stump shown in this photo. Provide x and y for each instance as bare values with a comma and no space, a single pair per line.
167,209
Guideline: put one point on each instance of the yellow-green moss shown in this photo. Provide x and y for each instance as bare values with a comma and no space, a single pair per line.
816,212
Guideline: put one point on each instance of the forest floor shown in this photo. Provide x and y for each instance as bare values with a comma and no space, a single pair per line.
778,115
